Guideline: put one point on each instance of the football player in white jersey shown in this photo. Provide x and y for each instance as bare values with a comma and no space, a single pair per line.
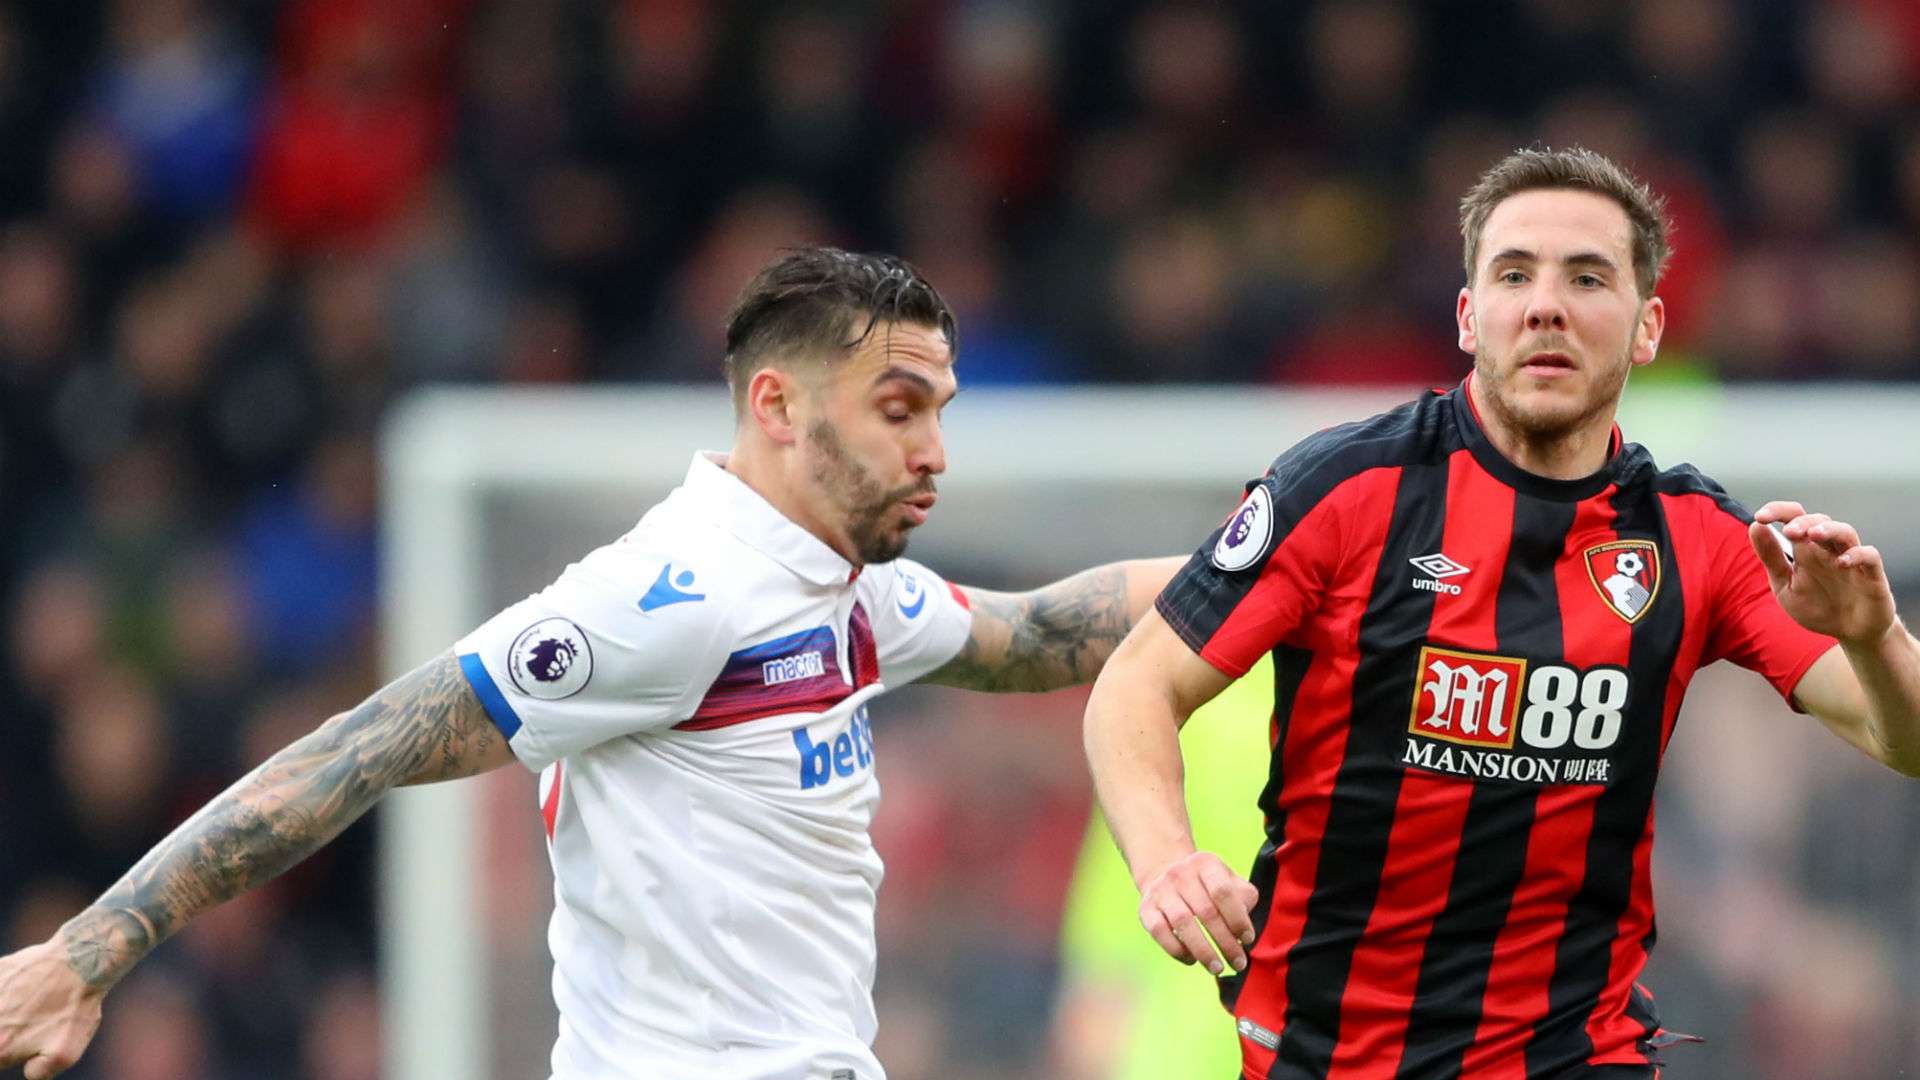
694,696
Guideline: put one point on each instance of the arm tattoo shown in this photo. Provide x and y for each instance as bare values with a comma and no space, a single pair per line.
1051,637
424,726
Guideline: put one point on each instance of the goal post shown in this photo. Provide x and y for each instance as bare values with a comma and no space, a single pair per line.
488,493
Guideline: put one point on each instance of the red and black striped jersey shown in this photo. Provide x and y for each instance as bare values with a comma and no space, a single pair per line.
1477,672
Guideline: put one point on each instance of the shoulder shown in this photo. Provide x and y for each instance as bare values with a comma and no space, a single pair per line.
668,592
1404,435
879,581
667,562
904,594
1422,430
1686,483
632,621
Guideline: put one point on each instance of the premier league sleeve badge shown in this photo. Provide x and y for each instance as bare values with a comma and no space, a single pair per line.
1248,534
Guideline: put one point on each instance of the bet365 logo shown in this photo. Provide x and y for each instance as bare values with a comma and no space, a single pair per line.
1492,701
843,755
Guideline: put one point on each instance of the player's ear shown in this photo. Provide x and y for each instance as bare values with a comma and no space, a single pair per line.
1646,334
771,396
1463,317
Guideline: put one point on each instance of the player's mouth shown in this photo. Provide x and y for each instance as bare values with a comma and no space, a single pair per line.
919,506
1548,365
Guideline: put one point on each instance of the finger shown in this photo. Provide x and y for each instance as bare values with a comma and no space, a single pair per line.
1194,937
1162,932
1222,938
1835,536
46,1066
1249,899
1227,892
1797,530
1779,510
1811,553
1771,549
1865,558
1807,549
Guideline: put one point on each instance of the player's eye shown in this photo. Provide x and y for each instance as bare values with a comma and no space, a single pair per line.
1513,277
1588,281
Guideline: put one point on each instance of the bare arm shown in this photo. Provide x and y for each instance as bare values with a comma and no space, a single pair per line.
1866,689
1134,716
423,727
1057,635
1869,695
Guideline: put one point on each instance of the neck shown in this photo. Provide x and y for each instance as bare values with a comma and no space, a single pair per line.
764,470
1578,451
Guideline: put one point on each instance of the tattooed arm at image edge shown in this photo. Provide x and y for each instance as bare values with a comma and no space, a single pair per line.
1054,636
424,726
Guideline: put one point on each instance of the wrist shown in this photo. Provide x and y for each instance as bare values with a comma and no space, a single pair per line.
102,945
1147,868
1876,642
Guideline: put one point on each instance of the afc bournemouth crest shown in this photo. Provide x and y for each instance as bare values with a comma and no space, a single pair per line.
1627,575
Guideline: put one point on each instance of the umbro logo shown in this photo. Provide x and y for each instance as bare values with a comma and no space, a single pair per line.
1438,569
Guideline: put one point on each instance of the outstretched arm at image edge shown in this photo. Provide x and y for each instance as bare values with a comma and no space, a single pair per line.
1869,695
1867,688
423,727
1133,721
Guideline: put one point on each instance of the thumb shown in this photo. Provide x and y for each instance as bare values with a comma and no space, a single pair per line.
1771,547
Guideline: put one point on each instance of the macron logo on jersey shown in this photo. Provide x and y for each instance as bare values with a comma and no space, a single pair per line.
807,665
847,753
664,593
796,673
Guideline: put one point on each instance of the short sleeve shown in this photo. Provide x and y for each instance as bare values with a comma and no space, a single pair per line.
1748,623
1264,571
1749,626
920,621
583,661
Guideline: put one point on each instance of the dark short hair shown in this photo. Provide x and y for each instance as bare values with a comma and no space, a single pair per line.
1578,169
816,303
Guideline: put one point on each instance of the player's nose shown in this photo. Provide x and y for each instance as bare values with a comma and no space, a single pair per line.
929,455
1546,308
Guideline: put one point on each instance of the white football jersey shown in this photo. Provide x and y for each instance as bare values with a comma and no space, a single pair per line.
694,696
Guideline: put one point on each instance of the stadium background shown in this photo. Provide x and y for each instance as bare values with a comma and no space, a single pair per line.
232,235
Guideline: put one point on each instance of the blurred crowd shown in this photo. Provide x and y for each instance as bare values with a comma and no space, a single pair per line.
233,231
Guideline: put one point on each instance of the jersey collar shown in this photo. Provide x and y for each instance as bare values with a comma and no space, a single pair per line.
1623,458
740,510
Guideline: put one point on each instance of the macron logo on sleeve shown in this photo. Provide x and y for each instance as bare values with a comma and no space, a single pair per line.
664,593
910,585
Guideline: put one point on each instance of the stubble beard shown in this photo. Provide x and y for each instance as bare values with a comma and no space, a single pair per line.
1548,425
854,490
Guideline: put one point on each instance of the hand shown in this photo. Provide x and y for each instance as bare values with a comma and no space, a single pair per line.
1835,585
1194,892
47,1014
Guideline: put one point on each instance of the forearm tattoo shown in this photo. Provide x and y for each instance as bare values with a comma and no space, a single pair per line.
424,726
1056,636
